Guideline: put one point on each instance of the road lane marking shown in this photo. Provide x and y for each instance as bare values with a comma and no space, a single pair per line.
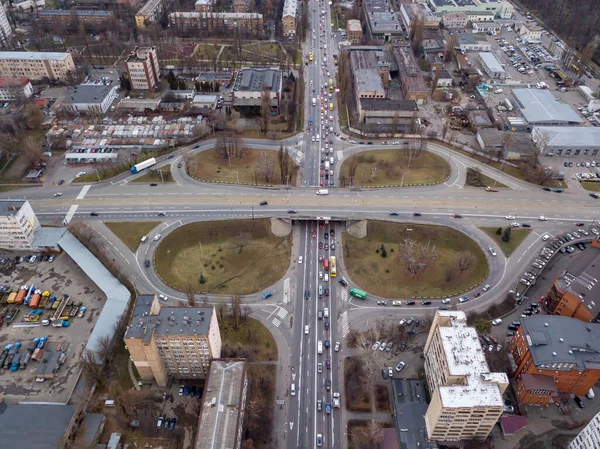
70,214
83,192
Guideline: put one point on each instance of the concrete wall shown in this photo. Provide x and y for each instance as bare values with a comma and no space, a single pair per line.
280,228
357,229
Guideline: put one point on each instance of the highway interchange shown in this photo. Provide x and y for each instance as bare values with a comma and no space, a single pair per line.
187,200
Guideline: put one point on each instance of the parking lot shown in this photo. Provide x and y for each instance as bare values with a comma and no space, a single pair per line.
57,278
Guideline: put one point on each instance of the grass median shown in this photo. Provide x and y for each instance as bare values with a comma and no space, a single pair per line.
131,232
405,260
393,167
223,257
154,175
592,186
516,238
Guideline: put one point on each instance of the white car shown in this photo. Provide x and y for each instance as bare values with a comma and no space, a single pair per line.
446,301
509,217
542,218
337,346
157,237
594,231
400,366
396,303
320,275
496,322
492,251
402,321
163,297
375,346
58,194
515,224
80,174
326,312
545,237
300,259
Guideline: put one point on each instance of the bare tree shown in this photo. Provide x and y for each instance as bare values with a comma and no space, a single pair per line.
236,311
451,44
465,260
33,116
236,123
395,121
265,109
92,369
191,298
265,165
435,80
352,167
417,256
31,149
417,32
242,239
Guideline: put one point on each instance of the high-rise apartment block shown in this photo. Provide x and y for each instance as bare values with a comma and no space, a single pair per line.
176,342
142,66
6,31
18,224
589,437
554,357
466,398
36,65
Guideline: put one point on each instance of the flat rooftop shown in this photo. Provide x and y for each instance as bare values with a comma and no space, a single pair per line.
491,62
10,207
171,320
221,404
74,12
149,7
410,407
571,136
33,55
353,25
382,17
465,358
541,106
562,343
471,39
290,8
253,79
384,104
140,54
88,93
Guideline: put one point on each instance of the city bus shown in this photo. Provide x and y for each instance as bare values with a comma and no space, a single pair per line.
358,293
332,270
326,264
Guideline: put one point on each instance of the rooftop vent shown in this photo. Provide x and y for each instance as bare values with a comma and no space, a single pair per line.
554,354
546,324
561,339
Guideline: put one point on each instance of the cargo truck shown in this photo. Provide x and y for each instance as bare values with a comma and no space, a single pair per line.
11,298
24,360
143,165
12,314
35,301
20,296
15,362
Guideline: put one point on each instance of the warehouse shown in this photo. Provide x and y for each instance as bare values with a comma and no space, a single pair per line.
567,141
491,66
539,107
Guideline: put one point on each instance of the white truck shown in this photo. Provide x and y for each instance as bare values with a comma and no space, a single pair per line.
336,400
314,101
322,192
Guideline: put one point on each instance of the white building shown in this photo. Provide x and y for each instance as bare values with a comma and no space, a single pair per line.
455,20
18,224
491,66
143,69
12,89
6,31
567,141
205,101
90,98
589,437
531,33
249,84
472,42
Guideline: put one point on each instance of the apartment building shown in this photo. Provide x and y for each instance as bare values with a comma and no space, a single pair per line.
355,32
149,12
247,23
561,353
18,224
288,18
6,31
203,6
575,291
13,89
36,65
53,17
589,437
466,398
221,420
177,342
143,69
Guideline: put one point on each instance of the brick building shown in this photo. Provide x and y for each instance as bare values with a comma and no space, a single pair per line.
143,69
554,357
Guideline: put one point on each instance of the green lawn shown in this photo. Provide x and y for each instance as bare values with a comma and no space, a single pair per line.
118,169
209,165
131,232
394,167
252,341
516,237
153,175
211,249
592,186
387,276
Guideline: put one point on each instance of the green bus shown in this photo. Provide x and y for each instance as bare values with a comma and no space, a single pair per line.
358,293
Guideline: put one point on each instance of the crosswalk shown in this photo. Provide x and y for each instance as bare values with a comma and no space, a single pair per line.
340,155
286,290
345,327
344,295
280,316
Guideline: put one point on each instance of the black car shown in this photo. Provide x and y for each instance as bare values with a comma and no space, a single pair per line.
394,214
416,214
172,424
547,189
512,327
326,344
307,294
263,203
153,184
292,211
579,402
403,347
326,324
170,156
426,302
526,225
410,303
579,224
457,216
343,282
326,236
94,214
147,263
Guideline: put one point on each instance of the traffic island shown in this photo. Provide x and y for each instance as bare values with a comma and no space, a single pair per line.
507,238
131,232
410,260
238,257
394,168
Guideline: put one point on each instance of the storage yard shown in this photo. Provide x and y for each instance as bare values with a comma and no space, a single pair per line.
48,308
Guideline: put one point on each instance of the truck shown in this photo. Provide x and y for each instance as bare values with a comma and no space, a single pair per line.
20,296
61,323
508,104
314,101
310,122
4,354
11,298
10,316
42,342
143,165
336,400
24,360
326,166
35,301
322,192
15,362
82,311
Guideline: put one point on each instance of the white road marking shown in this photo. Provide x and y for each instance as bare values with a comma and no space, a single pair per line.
70,213
83,192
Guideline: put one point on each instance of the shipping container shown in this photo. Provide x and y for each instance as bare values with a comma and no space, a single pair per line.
35,301
12,297
20,296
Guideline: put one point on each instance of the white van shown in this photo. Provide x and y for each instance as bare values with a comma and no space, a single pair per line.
293,389
331,160
326,277
322,192
319,347
144,239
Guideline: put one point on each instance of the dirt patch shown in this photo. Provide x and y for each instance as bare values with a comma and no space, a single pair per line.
382,398
251,340
261,395
358,399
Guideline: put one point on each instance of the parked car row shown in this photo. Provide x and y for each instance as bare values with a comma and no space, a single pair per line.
30,259
166,423
190,390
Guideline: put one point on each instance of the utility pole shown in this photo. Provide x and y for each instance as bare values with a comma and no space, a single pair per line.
161,176
97,174
201,251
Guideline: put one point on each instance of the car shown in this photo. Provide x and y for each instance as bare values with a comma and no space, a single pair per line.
526,225
400,366
426,302
153,184
496,322
61,182
300,259
403,347
579,224
328,408
410,303
157,237
515,224
94,214
307,294
292,211
319,367
314,235
376,346
509,217
545,237
320,258
163,297
388,348
328,364
326,344
58,194
263,203
390,372
542,218
417,214
181,391
147,263
558,190
51,259
267,295
382,346
160,422
162,214
328,385
579,402
456,216
319,440
172,424
492,251
463,299
319,405
337,346
394,214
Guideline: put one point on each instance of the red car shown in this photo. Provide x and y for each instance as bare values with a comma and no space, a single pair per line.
314,234
579,224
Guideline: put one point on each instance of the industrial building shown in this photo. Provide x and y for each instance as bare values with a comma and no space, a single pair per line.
143,69
554,357
18,224
455,20
529,32
221,420
490,65
177,342
411,11
36,65
80,16
374,111
382,21
539,107
472,42
355,32
249,84
567,140
500,9
506,144
411,78
366,77
466,398
89,98
575,291
288,17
